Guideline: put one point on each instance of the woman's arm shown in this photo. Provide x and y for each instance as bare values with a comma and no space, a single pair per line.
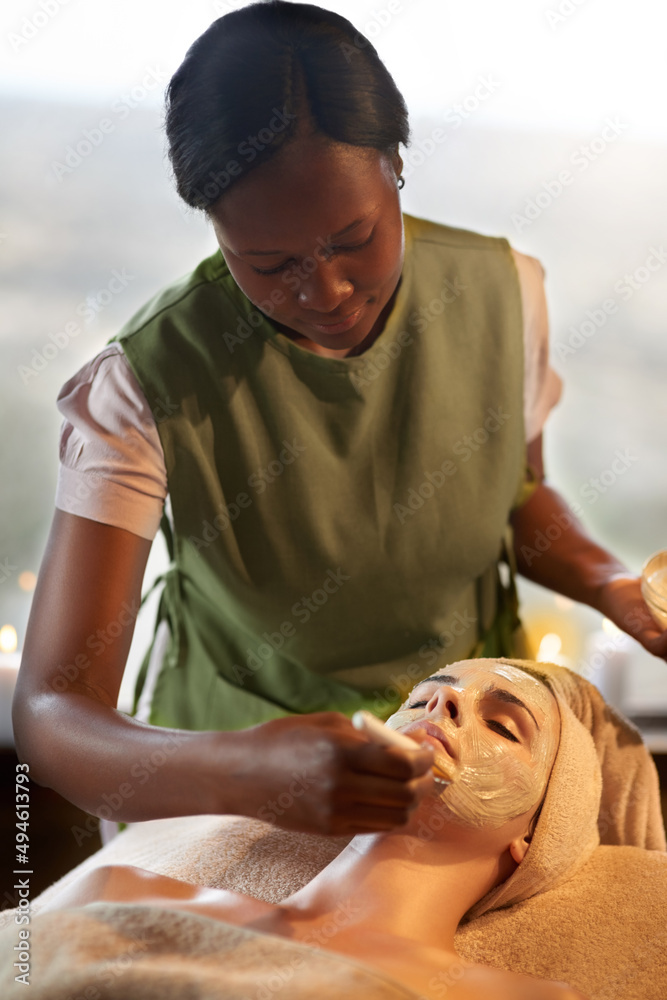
553,549
313,773
66,724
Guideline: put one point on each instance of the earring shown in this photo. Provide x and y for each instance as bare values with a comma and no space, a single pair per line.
401,182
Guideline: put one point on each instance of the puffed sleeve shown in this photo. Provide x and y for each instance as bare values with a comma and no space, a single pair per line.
542,386
112,466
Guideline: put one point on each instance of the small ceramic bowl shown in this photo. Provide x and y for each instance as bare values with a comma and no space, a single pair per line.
654,586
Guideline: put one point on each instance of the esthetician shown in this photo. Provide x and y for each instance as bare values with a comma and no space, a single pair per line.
342,408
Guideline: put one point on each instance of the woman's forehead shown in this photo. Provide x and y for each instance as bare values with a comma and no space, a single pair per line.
299,191
482,675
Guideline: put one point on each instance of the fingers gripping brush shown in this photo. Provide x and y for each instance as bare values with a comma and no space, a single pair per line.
373,728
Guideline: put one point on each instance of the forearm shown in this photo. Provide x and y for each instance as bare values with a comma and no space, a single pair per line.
553,549
102,760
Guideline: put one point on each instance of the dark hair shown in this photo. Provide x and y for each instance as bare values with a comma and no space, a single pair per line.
263,75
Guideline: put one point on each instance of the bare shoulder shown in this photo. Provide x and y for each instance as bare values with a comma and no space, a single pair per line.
129,884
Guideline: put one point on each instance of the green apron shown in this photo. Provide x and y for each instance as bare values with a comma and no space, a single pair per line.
337,523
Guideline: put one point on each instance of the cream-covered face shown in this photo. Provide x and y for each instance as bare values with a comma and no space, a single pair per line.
495,731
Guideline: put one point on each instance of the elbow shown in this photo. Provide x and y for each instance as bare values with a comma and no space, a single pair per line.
30,723
21,723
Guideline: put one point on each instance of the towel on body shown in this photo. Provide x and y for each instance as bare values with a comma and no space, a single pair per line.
122,951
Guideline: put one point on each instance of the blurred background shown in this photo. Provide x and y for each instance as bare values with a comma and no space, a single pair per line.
555,136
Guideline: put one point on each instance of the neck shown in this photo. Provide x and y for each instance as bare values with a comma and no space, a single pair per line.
397,884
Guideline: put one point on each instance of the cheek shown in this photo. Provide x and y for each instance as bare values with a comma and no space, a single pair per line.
404,717
269,294
386,264
492,786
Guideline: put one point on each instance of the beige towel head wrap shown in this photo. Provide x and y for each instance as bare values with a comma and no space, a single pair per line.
603,788
630,812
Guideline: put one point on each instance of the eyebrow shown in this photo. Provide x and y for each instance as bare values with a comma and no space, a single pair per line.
332,236
499,693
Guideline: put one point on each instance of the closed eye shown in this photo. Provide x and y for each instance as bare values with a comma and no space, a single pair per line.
341,249
491,723
499,728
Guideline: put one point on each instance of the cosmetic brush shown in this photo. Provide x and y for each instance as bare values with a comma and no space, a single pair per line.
378,733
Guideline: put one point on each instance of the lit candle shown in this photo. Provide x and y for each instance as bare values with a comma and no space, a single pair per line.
9,669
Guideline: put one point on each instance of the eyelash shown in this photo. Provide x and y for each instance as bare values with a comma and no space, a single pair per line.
359,246
503,730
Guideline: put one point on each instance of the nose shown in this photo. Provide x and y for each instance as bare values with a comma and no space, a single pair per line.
445,701
325,290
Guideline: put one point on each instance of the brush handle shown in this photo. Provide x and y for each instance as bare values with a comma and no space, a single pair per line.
368,724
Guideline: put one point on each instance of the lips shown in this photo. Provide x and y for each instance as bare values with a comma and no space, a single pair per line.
341,325
343,319
434,731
